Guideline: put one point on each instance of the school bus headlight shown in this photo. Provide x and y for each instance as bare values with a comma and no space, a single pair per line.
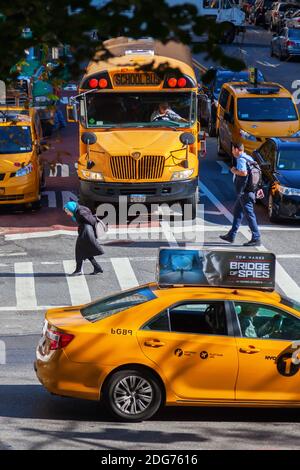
182,175
25,170
91,175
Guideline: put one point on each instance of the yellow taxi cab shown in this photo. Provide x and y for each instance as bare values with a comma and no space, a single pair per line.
250,113
21,171
181,341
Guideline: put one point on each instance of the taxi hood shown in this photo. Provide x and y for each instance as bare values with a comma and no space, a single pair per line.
126,141
8,160
270,129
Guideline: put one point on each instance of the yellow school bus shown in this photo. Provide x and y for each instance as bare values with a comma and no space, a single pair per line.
139,132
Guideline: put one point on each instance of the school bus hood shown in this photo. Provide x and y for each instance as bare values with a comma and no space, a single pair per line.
149,142
271,129
8,161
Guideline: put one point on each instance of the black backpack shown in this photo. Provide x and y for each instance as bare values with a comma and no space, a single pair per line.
254,182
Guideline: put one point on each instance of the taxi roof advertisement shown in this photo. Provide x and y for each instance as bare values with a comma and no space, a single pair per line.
216,268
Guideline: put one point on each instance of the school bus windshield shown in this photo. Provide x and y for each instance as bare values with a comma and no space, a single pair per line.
15,139
139,110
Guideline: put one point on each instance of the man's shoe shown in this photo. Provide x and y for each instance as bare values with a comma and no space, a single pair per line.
227,238
253,243
97,271
76,273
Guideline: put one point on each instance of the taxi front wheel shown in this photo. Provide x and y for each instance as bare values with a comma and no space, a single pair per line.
132,395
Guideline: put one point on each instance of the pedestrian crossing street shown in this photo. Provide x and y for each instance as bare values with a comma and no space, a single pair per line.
31,286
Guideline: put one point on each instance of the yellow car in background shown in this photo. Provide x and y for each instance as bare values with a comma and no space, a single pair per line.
250,114
186,346
21,170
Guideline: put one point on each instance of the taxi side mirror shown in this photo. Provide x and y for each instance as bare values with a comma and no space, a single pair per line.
72,114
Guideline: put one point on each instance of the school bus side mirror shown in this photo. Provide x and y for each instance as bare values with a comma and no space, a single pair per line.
72,115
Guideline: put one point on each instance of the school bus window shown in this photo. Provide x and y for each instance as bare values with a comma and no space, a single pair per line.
15,139
140,109
266,109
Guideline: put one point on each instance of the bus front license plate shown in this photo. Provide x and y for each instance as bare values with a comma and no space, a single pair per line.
137,198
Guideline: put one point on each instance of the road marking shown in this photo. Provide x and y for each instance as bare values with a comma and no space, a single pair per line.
51,195
216,202
199,66
50,233
124,273
283,279
64,170
213,213
225,169
25,288
288,256
166,229
267,64
287,283
78,288
14,254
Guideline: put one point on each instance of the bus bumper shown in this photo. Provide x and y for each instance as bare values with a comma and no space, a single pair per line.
151,192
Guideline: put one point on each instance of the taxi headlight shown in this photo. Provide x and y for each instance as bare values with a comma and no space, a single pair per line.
92,175
25,170
288,191
247,136
182,175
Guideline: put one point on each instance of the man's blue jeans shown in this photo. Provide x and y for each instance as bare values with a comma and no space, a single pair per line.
244,206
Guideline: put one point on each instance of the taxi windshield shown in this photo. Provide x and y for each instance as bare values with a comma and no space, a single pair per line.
266,109
289,159
139,110
15,139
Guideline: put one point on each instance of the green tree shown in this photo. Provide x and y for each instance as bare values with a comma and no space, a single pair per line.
57,22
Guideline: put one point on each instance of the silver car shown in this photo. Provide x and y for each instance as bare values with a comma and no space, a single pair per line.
286,44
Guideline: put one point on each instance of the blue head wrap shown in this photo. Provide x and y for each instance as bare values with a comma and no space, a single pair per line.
72,207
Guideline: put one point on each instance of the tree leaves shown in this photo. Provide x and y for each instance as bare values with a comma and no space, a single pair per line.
57,22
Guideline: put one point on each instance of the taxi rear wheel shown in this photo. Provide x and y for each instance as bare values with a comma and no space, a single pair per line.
132,395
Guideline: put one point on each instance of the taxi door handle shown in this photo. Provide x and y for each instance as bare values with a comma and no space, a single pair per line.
154,343
251,350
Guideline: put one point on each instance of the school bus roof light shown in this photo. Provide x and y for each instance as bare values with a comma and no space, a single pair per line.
93,83
172,82
103,83
181,82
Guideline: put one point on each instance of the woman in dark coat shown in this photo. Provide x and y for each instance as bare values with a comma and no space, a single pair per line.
87,245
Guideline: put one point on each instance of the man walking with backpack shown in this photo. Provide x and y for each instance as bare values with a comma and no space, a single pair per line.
246,175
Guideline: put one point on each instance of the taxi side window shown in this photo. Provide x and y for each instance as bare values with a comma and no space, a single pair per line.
194,318
266,322
224,98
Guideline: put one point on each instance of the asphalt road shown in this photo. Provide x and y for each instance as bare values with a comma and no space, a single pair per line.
33,276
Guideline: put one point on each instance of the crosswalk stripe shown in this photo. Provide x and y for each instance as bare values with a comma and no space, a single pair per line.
124,273
24,285
78,288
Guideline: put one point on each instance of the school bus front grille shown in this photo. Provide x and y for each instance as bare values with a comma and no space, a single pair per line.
148,167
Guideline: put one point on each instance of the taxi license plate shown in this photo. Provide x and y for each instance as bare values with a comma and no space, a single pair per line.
137,198
2,190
